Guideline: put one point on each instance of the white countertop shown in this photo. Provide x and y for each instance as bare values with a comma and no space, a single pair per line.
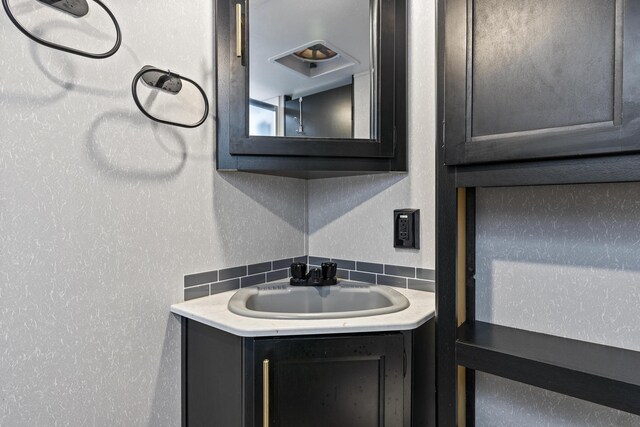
213,311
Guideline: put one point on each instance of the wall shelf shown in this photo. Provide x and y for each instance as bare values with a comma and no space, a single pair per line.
583,170
483,141
601,374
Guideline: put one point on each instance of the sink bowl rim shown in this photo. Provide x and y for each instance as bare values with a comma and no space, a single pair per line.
238,303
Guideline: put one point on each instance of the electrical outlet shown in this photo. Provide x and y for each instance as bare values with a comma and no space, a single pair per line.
406,228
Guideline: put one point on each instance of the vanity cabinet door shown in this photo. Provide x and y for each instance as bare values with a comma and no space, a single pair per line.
536,79
355,381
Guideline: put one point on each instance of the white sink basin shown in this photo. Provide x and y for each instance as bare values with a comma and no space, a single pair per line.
347,299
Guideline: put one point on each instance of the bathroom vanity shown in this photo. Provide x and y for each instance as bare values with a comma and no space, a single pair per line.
359,371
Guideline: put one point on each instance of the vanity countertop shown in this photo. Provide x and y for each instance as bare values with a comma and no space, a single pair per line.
213,311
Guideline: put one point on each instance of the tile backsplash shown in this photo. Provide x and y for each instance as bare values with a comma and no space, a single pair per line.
213,282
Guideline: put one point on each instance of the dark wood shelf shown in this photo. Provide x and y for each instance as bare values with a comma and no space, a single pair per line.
583,170
601,374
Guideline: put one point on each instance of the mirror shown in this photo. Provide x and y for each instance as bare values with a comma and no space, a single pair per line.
274,57
312,70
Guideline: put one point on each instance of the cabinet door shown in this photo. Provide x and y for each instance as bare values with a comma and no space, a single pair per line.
334,381
327,114
527,79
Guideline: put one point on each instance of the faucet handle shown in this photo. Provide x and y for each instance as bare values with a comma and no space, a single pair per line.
298,270
329,270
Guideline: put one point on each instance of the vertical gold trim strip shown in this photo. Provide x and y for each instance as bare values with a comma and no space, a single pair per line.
238,30
461,297
461,264
618,64
265,393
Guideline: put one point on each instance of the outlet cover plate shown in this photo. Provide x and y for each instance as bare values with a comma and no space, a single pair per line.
406,228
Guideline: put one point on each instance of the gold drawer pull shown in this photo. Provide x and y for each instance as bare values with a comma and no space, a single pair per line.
265,393
238,30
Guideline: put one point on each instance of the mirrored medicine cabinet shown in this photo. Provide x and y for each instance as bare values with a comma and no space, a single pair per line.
311,88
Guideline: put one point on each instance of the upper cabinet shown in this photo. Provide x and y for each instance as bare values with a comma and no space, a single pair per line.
539,79
311,88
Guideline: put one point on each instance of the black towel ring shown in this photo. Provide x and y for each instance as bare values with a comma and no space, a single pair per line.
169,82
82,9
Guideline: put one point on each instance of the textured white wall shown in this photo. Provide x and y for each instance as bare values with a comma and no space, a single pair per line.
352,218
561,260
102,212
504,403
362,105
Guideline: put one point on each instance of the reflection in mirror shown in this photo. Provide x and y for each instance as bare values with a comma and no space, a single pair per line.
312,68
262,118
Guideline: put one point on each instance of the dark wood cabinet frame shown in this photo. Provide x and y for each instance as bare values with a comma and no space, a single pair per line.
385,350
601,374
597,373
236,150
620,135
222,375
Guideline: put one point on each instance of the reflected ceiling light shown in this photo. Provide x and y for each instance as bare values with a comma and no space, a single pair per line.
314,59
316,53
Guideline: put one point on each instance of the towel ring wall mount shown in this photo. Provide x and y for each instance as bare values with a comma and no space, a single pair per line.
153,77
78,9
168,82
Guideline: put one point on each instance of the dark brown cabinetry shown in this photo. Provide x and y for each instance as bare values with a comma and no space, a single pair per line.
530,92
313,154
377,379
334,381
533,79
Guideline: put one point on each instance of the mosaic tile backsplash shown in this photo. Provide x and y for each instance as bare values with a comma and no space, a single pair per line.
213,282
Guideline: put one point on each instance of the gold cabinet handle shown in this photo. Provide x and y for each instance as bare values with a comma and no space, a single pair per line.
238,30
265,393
